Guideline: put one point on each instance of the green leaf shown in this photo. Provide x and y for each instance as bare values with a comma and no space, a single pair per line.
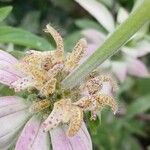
129,142
112,44
138,106
4,11
17,54
21,37
128,84
71,40
87,23
34,17
93,124
134,127
142,85
5,90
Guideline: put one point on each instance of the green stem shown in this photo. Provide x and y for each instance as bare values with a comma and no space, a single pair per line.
112,44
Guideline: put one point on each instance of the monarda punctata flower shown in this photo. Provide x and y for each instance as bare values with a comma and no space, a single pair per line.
48,112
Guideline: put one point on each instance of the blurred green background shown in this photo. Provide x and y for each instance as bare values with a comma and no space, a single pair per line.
130,128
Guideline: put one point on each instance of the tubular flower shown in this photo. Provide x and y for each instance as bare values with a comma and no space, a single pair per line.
49,108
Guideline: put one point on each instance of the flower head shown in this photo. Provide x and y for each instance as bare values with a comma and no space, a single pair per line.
51,107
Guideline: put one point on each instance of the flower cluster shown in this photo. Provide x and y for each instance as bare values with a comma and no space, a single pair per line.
41,73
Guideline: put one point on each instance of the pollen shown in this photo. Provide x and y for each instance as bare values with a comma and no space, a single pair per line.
39,105
73,58
75,120
55,70
49,87
58,55
105,100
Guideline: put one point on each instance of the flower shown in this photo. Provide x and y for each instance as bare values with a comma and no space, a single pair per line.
49,109
129,57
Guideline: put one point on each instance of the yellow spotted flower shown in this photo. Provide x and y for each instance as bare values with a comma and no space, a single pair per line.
47,107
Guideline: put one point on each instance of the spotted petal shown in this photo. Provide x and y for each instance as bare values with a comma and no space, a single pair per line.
33,137
23,83
60,141
60,113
